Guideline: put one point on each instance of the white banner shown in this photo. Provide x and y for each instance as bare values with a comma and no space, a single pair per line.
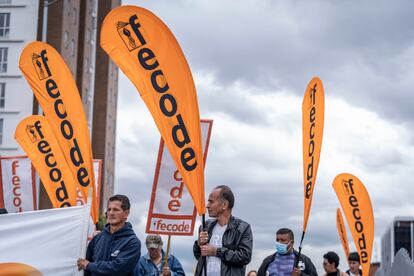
17,184
49,241
172,210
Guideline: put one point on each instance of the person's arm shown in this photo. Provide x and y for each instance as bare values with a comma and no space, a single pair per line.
202,240
176,267
310,269
263,267
243,254
123,263
137,269
89,254
196,250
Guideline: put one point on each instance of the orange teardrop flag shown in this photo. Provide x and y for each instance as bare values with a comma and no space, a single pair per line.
18,269
313,109
148,53
56,91
357,207
342,231
36,138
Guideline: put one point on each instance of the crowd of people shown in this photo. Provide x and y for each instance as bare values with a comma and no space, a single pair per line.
224,247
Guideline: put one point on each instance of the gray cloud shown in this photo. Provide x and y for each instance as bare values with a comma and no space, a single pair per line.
355,48
252,61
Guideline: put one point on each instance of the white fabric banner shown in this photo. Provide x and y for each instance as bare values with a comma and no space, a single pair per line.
17,183
172,210
49,241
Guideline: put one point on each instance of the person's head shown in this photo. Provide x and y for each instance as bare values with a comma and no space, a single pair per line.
3,211
284,241
330,262
220,200
117,210
252,273
354,262
154,246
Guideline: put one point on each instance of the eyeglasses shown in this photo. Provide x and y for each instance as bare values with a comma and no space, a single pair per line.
325,263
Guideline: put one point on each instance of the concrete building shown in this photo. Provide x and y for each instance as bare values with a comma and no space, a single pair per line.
399,235
105,106
72,28
18,26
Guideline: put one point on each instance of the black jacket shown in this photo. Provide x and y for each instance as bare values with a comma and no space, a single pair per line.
113,254
308,269
349,273
236,251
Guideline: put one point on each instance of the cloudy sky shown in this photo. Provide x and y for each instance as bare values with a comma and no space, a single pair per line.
251,62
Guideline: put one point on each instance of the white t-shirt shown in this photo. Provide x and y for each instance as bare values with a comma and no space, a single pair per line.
214,263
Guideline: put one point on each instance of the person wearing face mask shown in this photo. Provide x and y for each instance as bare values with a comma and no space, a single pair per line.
282,262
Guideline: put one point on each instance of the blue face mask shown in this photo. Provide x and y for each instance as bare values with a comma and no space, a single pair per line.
282,248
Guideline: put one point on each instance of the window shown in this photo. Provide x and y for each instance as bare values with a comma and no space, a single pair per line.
88,34
72,48
1,130
3,60
402,236
75,16
2,94
4,24
65,39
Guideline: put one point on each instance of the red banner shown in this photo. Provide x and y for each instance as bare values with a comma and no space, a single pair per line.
17,184
171,210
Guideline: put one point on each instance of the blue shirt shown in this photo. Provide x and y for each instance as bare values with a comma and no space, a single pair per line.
145,267
282,265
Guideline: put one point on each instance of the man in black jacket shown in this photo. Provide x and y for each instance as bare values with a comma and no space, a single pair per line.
226,244
282,262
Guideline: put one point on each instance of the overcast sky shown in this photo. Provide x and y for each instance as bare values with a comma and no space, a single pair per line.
251,62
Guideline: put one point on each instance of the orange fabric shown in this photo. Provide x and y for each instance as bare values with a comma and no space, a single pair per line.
148,53
342,231
56,91
357,207
313,109
18,269
38,141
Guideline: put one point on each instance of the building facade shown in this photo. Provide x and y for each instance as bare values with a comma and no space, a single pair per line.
72,28
18,26
399,235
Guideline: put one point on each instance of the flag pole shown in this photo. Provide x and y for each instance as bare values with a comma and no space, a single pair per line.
300,249
204,257
167,251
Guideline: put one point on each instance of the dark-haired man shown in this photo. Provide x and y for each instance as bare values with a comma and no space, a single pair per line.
354,262
331,263
115,250
226,244
282,262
